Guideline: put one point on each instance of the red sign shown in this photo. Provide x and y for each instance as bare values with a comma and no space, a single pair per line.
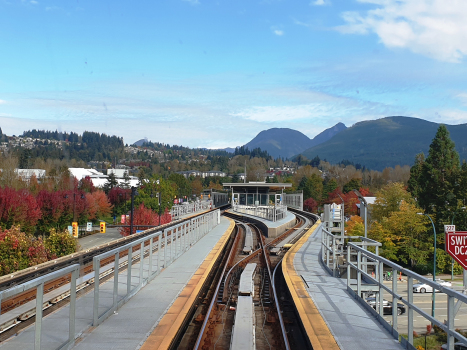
456,244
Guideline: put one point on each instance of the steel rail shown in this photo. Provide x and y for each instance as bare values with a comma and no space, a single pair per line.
213,301
276,299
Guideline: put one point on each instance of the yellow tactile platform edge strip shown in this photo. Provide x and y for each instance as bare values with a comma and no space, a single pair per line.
166,330
315,327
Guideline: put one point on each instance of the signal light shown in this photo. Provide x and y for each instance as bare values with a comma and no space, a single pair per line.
75,229
102,227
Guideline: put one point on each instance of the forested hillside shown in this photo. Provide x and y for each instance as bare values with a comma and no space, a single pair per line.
386,142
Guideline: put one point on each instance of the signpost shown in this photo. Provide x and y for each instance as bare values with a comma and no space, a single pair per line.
456,244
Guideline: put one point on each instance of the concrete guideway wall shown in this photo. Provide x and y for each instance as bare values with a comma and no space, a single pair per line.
313,323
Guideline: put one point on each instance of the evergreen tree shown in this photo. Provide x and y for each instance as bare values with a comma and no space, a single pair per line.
126,180
415,173
111,183
438,182
235,178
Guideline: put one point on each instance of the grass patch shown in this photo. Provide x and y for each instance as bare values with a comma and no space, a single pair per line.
432,342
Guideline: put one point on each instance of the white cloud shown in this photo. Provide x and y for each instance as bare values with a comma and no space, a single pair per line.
2,102
278,32
433,28
52,8
34,2
320,2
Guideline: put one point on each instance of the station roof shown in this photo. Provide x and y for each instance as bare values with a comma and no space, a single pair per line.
270,186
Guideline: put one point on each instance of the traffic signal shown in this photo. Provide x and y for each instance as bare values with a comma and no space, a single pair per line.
102,227
75,229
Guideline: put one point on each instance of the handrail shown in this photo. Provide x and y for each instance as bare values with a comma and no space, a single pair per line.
180,239
359,266
38,283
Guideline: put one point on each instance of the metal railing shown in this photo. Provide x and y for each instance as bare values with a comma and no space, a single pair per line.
184,209
152,254
171,243
358,259
333,249
272,213
38,283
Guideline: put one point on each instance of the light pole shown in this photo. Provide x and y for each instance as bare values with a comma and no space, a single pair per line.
343,216
365,205
434,267
452,259
134,193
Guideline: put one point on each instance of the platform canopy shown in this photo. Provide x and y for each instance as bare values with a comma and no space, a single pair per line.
249,186
257,193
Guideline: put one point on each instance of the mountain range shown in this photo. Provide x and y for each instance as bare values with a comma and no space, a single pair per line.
285,143
386,142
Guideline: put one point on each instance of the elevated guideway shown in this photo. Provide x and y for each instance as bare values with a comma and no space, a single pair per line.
162,302
330,315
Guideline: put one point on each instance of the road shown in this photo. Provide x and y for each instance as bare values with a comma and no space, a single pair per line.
96,239
423,301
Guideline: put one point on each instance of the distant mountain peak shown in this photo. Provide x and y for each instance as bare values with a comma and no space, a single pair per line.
139,143
285,142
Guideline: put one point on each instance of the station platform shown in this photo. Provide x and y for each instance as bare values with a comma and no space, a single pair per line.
331,317
156,311
275,228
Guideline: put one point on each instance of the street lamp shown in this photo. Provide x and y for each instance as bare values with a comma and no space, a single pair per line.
134,193
452,259
365,205
434,266
343,216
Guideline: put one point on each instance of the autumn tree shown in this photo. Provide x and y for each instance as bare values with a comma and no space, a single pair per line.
355,227
352,185
389,199
310,205
145,216
18,208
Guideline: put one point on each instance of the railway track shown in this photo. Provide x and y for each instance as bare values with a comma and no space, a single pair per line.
19,312
210,326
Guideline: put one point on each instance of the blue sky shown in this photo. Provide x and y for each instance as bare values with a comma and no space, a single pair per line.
215,73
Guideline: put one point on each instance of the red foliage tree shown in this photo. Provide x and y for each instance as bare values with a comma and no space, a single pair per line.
118,196
98,205
350,199
310,205
19,208
86,185
145,216
52,206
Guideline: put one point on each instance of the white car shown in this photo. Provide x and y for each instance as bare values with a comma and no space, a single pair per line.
425,288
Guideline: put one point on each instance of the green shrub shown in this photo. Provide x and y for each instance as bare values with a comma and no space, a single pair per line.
60,244
19,250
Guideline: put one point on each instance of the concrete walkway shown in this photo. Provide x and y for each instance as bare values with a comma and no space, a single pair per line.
351,325
128,328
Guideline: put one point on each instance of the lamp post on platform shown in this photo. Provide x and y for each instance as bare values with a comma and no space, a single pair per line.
434,266
365,205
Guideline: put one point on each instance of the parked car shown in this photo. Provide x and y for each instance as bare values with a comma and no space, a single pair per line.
457,346
387,306
425,288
